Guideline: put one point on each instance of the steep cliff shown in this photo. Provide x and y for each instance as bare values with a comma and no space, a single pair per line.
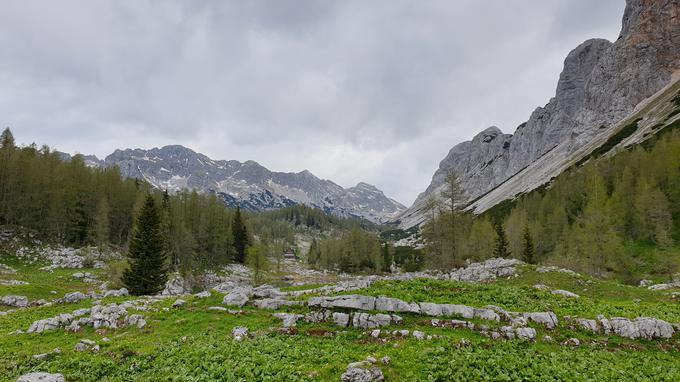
600,86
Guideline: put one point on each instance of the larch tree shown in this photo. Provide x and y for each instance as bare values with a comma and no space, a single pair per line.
454,194
147,272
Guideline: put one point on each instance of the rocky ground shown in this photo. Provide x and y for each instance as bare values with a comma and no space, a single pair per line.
497,320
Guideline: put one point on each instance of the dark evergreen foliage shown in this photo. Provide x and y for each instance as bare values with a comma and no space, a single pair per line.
147,272
240,234
528,250
500,248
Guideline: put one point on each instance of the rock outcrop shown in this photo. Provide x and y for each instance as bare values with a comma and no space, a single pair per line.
601,84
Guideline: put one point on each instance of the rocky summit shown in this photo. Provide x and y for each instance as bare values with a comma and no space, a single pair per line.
248,184
601,85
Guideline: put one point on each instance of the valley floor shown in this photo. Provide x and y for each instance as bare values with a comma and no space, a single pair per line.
193,341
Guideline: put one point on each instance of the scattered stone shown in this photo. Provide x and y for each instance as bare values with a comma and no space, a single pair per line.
553,268
372,360
485,271
341,319
541,287
204,294
345,301
238,296
418,335
486,314
239,333
664,286
275,303
12,282
565,293
385,360
547,319
375,333
362,372
367,321
41,377
589,325
122,292
387,304
178,303
75,297
267,291
572,342
642,327
14,301
218,308
289,319
136,320
176,286
645,283
86,345
525,333
318,316
101,316
86,277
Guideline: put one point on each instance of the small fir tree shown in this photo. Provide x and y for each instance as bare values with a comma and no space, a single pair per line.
147,273
528,248
240,234
501,245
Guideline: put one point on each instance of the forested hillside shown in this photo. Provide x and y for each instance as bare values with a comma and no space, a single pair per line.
69,203
617,215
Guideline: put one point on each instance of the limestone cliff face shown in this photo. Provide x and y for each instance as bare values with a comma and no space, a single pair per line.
601,83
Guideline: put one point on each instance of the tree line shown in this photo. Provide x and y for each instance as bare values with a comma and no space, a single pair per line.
618,215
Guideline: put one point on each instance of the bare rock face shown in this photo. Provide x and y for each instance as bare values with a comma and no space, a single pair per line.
350,301
601,83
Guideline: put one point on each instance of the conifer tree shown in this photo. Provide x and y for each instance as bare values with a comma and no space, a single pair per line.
147,273
528,250
240,234
501,245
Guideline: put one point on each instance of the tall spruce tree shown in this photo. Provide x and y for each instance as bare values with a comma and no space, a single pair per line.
147,273
501,245
240,234
528,247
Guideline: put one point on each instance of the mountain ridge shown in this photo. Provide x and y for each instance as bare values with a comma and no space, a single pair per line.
602,83
248,184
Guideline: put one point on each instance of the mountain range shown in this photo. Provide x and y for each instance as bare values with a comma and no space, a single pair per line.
248,184
604,88
609,95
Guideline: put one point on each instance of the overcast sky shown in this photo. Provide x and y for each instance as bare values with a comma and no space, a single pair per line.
366,90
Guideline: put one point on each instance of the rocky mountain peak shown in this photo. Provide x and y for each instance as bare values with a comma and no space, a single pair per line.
601,84
249,184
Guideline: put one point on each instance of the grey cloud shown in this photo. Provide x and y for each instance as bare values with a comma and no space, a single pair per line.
374,91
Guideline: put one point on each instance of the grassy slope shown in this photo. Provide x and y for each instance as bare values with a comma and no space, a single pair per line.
192,343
